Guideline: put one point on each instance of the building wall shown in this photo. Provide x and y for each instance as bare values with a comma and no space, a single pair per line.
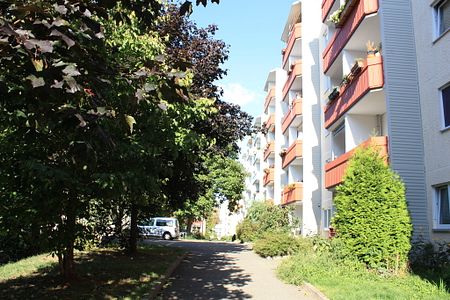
433,58
312,166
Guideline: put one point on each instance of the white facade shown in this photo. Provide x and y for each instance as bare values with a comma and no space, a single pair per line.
433,58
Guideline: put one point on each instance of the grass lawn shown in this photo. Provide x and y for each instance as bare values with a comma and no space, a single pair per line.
341,280
103,274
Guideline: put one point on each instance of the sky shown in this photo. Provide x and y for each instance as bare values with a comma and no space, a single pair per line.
253,30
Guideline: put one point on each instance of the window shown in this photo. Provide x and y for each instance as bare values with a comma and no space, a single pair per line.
326,218
442,207
445,94
442,17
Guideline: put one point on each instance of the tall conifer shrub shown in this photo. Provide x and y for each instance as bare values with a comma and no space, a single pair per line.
372,219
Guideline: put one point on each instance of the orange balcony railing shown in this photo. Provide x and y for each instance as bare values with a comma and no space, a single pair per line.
270,123
335,170
295,70
326,7
344,33
270,148
292,193
293,152
268,176
295,34
294,112
369,78
270,96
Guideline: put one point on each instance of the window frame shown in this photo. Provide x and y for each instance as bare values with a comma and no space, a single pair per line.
444,127
437,207
437,5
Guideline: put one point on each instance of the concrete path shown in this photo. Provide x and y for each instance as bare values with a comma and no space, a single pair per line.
216,270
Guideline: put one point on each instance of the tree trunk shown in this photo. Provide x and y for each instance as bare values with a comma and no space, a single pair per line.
133,230
65,257
189,225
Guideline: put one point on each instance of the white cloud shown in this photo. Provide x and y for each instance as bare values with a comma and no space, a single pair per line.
237,94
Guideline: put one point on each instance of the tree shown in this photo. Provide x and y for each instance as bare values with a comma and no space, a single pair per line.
79,103
224,181
371,217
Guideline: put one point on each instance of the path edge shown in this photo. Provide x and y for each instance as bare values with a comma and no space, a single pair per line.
313,290
164,278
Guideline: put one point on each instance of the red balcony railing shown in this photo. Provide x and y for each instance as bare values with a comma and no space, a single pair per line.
270,124
294,112
369,78
344,33
335,170
295,34
270,96
292,193
294,151
295,70
270,148
268,177
326,7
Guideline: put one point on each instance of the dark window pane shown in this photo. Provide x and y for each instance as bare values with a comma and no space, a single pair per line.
444,217
444,12
161,223
446,105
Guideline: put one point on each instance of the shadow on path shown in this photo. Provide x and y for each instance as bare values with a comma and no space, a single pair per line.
210,271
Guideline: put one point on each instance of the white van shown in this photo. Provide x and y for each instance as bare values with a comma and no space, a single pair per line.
166,228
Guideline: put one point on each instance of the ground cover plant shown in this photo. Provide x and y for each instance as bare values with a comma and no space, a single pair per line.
102,274
347,278
275,243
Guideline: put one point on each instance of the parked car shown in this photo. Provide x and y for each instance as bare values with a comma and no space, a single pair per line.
166,228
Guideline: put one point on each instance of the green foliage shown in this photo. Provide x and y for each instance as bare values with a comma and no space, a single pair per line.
264,217
347,278
372,219
276,243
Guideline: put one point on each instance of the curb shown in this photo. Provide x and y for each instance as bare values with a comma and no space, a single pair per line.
164,278
313,290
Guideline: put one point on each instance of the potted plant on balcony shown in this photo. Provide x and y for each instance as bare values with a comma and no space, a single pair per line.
334,94
372,51
283,152
267,171
290,187
357,66
345,80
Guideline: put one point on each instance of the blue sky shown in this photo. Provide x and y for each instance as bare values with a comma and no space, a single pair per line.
253,30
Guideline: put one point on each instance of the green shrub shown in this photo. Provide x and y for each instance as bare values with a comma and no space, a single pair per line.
372,219
264,217
279,244
247,230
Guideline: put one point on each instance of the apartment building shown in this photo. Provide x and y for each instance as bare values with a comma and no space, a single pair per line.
252,160
357,73
431,21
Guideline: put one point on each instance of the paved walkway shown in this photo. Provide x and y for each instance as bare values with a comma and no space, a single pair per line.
215,270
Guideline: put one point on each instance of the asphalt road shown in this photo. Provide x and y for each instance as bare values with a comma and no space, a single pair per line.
219,270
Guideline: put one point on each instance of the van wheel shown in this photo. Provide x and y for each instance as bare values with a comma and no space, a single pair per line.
167,236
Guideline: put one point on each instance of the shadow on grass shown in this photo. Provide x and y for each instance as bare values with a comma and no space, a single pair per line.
438,277
208,272
102,274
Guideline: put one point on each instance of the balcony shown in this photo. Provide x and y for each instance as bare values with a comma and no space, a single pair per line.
343,34
295,34
294,113
292,193
270,96
268,176
294,72
270,149
369,78
326,7
270,124
335,170
295,151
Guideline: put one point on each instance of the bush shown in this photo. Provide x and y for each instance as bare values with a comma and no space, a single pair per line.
372,219
279,244
261,218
